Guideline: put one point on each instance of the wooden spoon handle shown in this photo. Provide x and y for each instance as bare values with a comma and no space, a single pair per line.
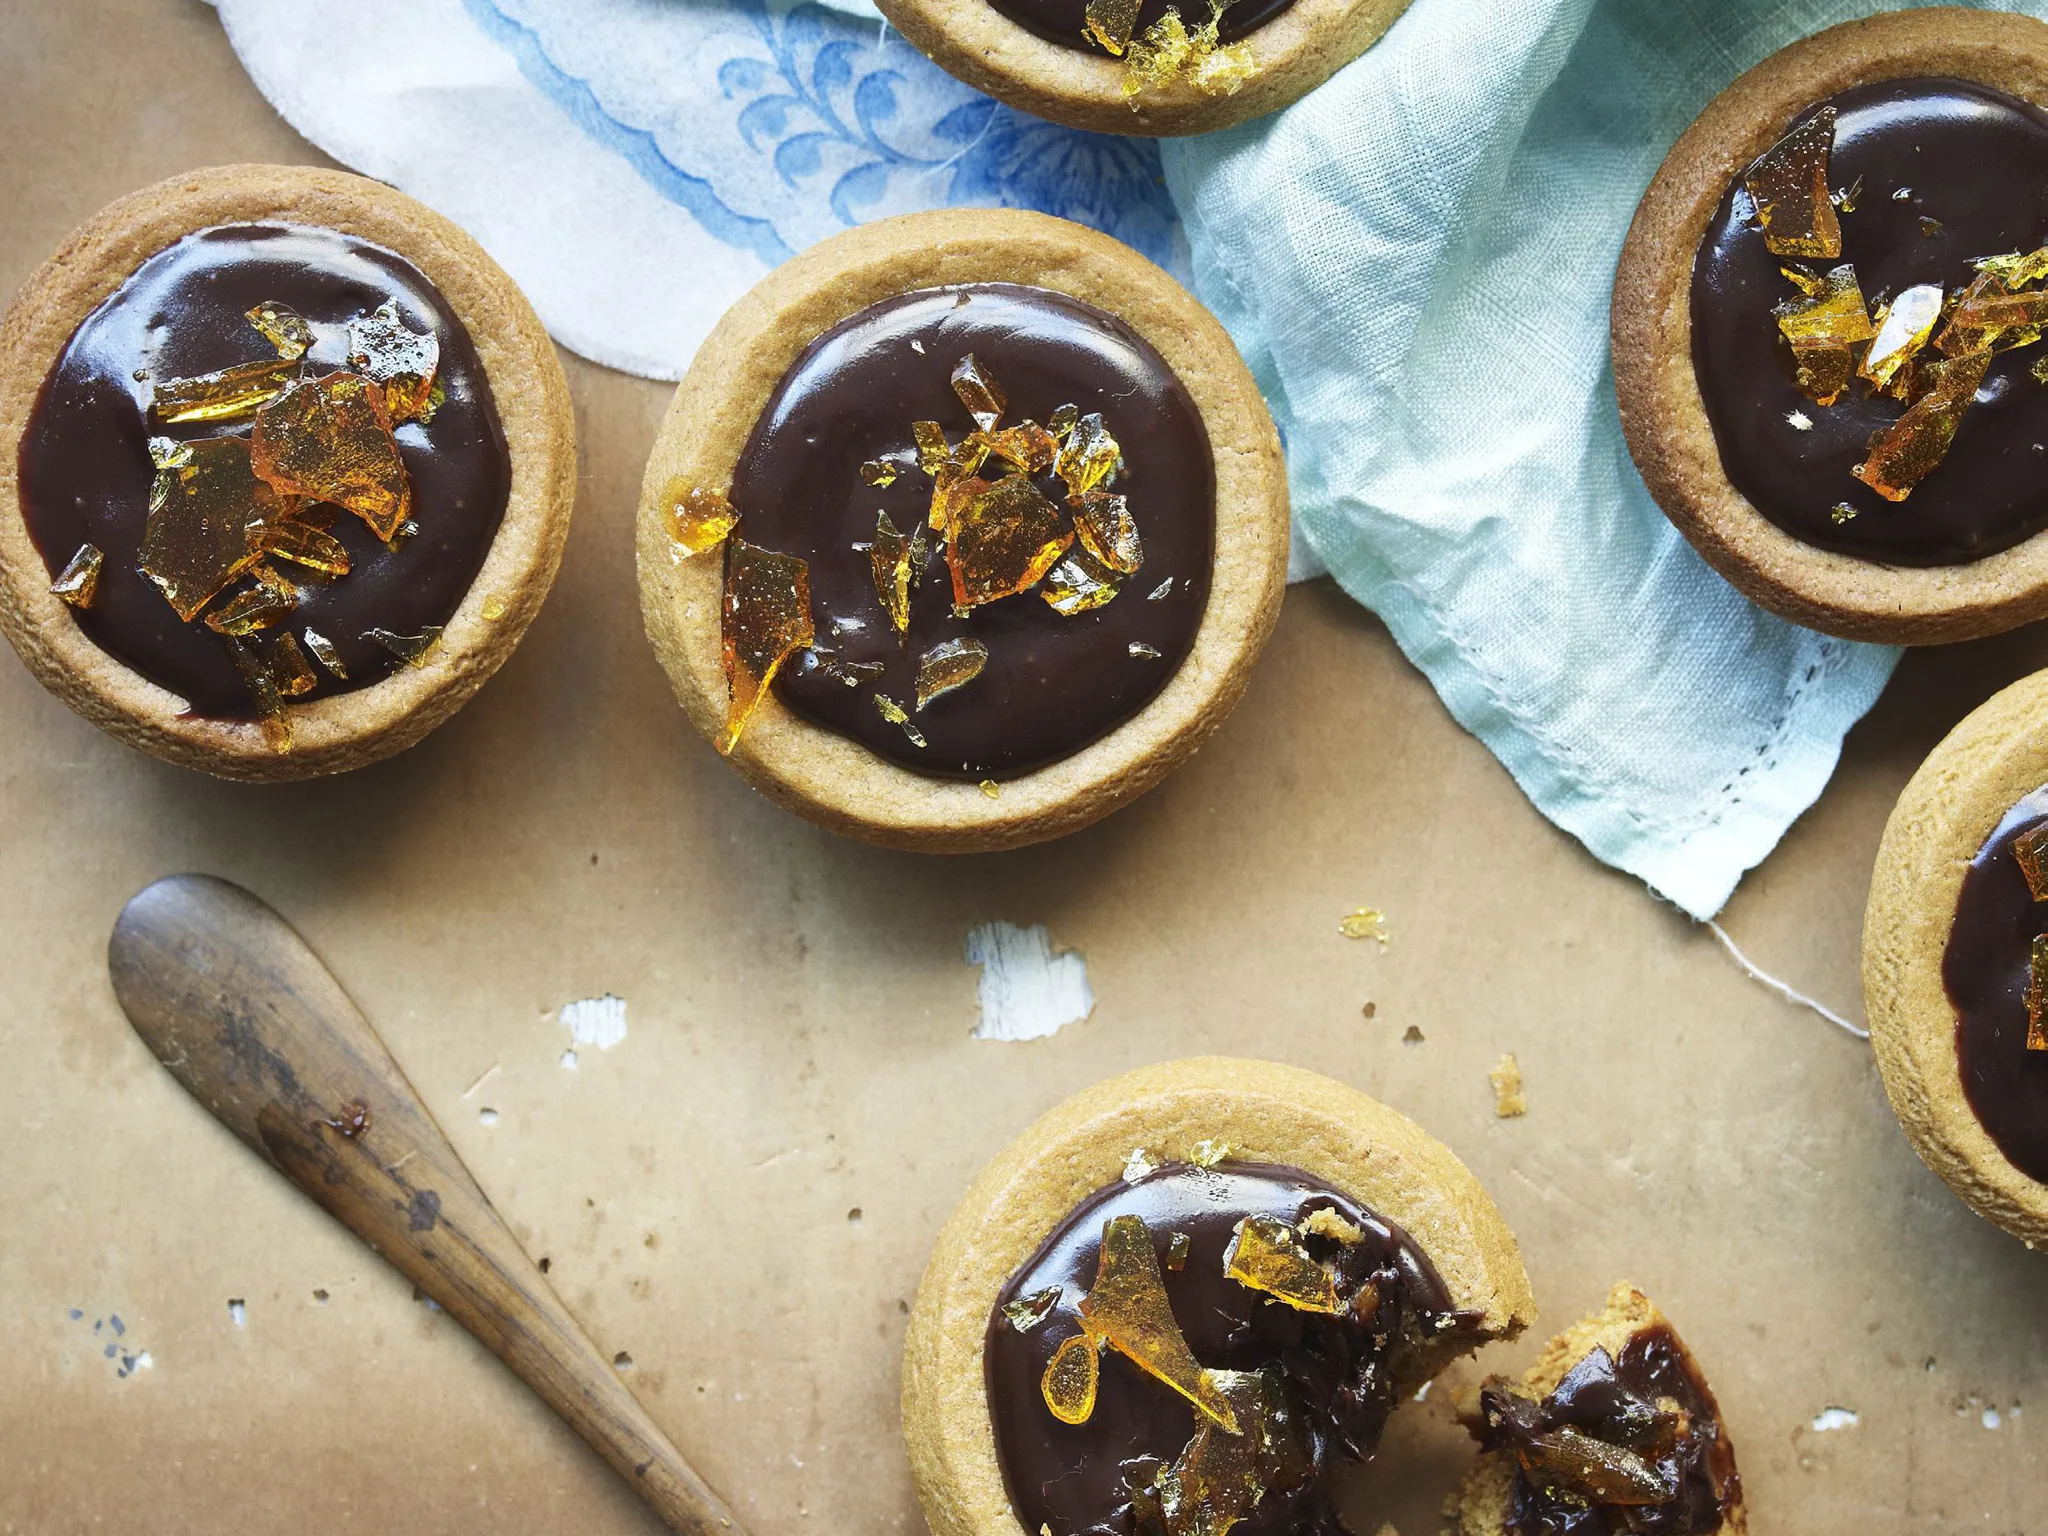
243,1013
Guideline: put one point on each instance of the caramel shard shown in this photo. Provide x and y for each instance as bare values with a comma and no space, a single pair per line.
324,652
266,687
283,327
1902,454
1089,457
983,397
1266,1255
1127,1309
1107,531
2014,270
992,789
934,453
1995,322
1139,1163
1364,923
1220,1477
381,347
79,582
1111,23
330,439
897,561
302,544
1168,52
1841,512
2037,994
1063,420
1026,446
1580,1466
950,467
893,712
948,665
879,472
495,607
1070,1378
264,606
697,517
1208,1152
1907,323
201,507
1823,327
1845,201
765,619
1789,185
1002,540
2029,851
1506,1078
413,650
1027,1312
1140,651
1325,1222
229,395
1078,583
288,665
1178,1247
1164,589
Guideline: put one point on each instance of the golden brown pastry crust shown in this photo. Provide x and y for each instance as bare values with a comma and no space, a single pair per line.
835,781
1268,1113
1984,767
1295,52
1662,412
1484,1500
344,730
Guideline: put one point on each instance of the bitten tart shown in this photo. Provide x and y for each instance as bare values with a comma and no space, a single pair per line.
289,464
1153,67
1613,1430
963,529
1828,321
1183,1298
1955,959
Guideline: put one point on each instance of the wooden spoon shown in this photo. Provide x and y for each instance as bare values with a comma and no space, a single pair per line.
243,1013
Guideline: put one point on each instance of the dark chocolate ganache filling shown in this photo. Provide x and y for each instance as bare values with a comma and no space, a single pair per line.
1950,171
85,470
1080,1478
1627,1405
1066,21
1984,970
1053,683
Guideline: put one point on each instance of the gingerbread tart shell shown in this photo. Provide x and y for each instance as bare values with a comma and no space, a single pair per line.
1662,412
835,781
1485,1500
1268,1113
1981,769
1295,52
344,730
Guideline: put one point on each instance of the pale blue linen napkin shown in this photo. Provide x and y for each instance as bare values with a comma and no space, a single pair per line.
1416,260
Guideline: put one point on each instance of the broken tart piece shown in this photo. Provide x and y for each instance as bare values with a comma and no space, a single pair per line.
1613,1430
1144,66
962,553
1830,363
1955,960
270,513
1183,1300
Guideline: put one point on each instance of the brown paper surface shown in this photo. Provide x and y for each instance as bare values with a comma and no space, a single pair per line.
739,1195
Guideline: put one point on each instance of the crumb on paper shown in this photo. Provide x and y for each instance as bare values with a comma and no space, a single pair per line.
1026,990
1506,1078
1371,1010
1364,923
320,1298
1412,1036
622,1361
595,1021
1836,1418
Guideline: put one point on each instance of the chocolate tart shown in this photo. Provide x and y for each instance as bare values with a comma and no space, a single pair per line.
825,363
1035,55
1605,1376
985,1454
1707,411
500,447
1945,954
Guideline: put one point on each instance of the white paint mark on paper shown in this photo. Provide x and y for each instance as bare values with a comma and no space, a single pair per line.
567,1061
144,1361
1026,991
487,1116
238,1311
598,1021
1836,1418
1991,1420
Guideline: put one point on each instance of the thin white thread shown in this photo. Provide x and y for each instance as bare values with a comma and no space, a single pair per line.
1756,972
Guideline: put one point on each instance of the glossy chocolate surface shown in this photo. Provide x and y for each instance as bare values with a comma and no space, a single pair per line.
1076,1478
1615,1400
86,472
1984,970
1972,159
1053,684
1066,21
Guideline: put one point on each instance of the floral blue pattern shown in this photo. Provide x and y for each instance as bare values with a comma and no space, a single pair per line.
776,123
